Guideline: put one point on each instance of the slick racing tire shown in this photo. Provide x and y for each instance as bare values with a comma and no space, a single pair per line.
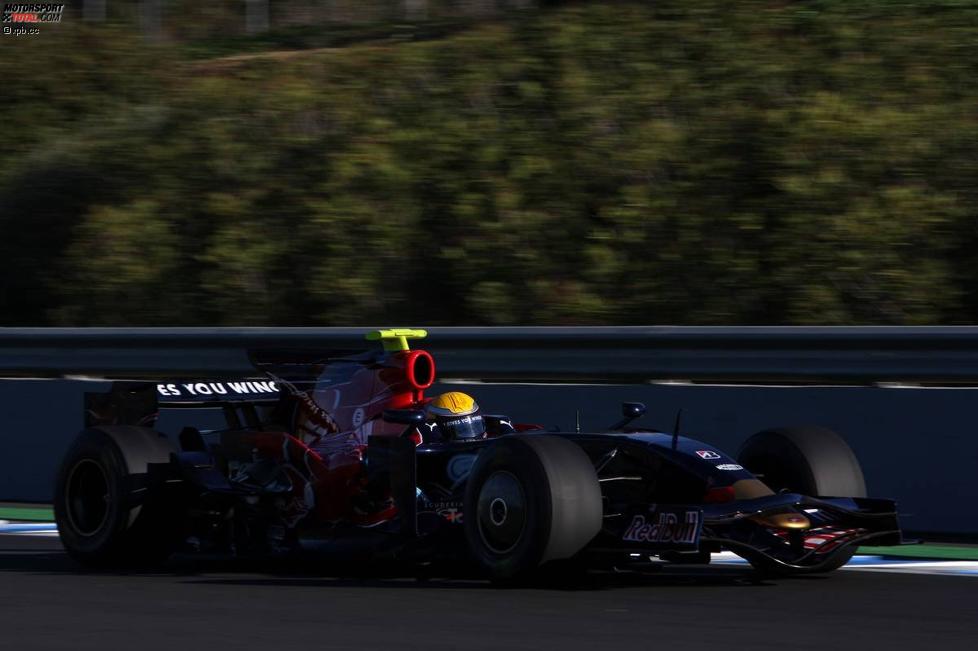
530,499
809,460
109,509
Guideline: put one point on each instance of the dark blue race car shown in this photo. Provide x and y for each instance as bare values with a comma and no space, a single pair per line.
340,453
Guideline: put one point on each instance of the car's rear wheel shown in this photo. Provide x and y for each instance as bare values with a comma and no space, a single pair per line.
809,460
530,500
109,511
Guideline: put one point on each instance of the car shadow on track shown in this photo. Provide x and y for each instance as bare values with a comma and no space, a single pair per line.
253,572
589,583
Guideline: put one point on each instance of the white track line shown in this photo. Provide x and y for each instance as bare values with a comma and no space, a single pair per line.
881,564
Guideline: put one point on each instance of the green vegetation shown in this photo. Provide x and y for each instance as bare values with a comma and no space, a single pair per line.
23,513
688,161
926,552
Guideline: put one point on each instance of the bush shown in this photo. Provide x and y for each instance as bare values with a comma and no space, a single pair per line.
683,162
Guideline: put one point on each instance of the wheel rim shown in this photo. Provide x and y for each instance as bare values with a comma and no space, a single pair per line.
501,512
87,497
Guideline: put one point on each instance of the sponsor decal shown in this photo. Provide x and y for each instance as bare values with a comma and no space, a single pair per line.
313,418
358,417
707,454
729,466
204,389
463,421
450,510
451,515
459,467
667,529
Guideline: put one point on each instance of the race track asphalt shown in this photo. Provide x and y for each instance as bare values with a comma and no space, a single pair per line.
48,602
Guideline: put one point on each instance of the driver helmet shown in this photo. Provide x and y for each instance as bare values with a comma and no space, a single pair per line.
457,417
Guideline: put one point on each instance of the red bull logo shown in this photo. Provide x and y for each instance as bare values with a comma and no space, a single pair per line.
668,529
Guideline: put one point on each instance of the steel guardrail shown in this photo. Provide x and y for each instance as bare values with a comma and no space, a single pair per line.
749,354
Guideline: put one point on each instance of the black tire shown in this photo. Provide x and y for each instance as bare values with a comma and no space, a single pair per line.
108,510
809,460
530,499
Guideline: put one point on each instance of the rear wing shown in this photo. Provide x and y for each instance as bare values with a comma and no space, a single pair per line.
139,403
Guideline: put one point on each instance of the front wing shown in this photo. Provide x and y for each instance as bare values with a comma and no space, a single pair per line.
787,531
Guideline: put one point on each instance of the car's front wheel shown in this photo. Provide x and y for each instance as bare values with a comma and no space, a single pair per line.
808,460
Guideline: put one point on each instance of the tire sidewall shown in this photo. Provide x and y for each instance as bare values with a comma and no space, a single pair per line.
814,460
781,462
142,522
518,458
95,446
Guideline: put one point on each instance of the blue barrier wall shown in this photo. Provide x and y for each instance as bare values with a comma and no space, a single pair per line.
916,445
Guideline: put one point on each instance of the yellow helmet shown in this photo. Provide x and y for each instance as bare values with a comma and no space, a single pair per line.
457,416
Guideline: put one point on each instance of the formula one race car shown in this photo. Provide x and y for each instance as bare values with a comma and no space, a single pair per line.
343,454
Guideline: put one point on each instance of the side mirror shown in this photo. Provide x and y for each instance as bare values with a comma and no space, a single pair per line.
404,416
632,410
629,411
